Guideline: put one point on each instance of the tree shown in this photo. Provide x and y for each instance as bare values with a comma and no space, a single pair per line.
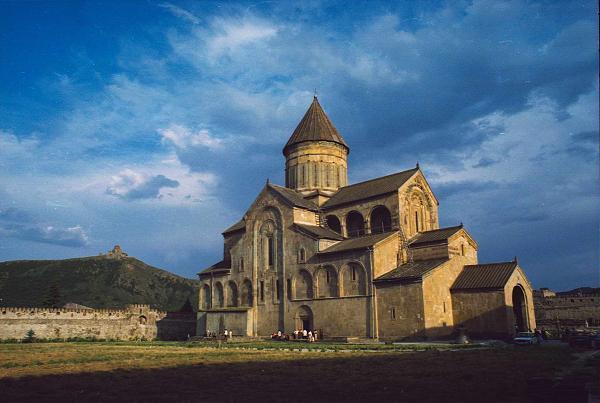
53,297
30,336
186,307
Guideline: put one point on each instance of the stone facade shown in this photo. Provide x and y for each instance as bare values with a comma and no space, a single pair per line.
366,260
134,322
567,310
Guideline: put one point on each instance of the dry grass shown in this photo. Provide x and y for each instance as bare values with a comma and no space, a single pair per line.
95,371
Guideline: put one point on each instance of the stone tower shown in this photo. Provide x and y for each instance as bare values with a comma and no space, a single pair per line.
316,156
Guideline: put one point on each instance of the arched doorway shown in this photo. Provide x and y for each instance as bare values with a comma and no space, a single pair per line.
520,309
304,318
381,220
355,224
334,223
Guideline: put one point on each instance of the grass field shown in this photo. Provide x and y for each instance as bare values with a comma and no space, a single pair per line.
177,371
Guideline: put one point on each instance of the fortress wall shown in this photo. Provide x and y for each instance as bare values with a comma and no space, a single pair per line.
574,307
134,322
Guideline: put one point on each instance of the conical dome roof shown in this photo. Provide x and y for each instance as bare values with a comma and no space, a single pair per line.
315,126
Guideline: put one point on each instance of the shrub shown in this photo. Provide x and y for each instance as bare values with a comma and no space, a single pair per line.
29,336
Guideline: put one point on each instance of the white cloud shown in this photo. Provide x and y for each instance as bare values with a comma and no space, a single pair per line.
182,137
181,13
231,34
131,185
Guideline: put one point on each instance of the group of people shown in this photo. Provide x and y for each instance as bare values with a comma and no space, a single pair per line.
308,335
227,334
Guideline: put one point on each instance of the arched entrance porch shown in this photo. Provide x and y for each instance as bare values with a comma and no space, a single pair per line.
519,303
304,318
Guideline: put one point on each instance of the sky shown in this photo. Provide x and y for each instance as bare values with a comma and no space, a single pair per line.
154,125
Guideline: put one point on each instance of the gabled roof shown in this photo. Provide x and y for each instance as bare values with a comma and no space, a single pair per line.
434,236
484,276
371,188
222,267
240,225
319,232
362,242
412,271
294,198
315,126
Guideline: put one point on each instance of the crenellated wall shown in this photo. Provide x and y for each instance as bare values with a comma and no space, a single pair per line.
134,322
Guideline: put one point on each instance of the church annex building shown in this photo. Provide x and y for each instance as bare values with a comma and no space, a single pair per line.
366,260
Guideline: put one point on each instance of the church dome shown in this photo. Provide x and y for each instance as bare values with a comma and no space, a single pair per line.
316,154
315,126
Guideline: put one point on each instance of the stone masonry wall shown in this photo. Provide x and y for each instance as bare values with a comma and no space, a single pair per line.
134,322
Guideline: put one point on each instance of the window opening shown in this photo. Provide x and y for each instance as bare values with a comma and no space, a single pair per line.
289,289
353,274
262,291
271,251
417,221
394,313
241,264
277,290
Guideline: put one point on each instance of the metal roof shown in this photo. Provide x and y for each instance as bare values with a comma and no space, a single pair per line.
357,243
241,224
315,126
411,271
293,197
320,232
484,276
434,236
220,267
370,188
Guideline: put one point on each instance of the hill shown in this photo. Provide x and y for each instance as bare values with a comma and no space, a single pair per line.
97,282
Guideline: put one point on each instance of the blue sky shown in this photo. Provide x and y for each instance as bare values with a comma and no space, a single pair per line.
154,125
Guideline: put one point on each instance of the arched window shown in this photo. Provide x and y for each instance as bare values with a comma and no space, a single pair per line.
355,224
205,301
417,221
353,280
247,293
271,251
241,264
381,220
333,223
303,285
327,282
232,294
301,255
220,300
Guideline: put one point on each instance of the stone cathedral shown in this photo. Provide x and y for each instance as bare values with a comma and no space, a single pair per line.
362,260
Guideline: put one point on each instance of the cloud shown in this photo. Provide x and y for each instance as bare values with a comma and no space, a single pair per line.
20,224
182,137
131,185
493,109
181,13
230,34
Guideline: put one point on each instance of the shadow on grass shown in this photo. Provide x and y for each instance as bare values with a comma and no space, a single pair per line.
493,375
